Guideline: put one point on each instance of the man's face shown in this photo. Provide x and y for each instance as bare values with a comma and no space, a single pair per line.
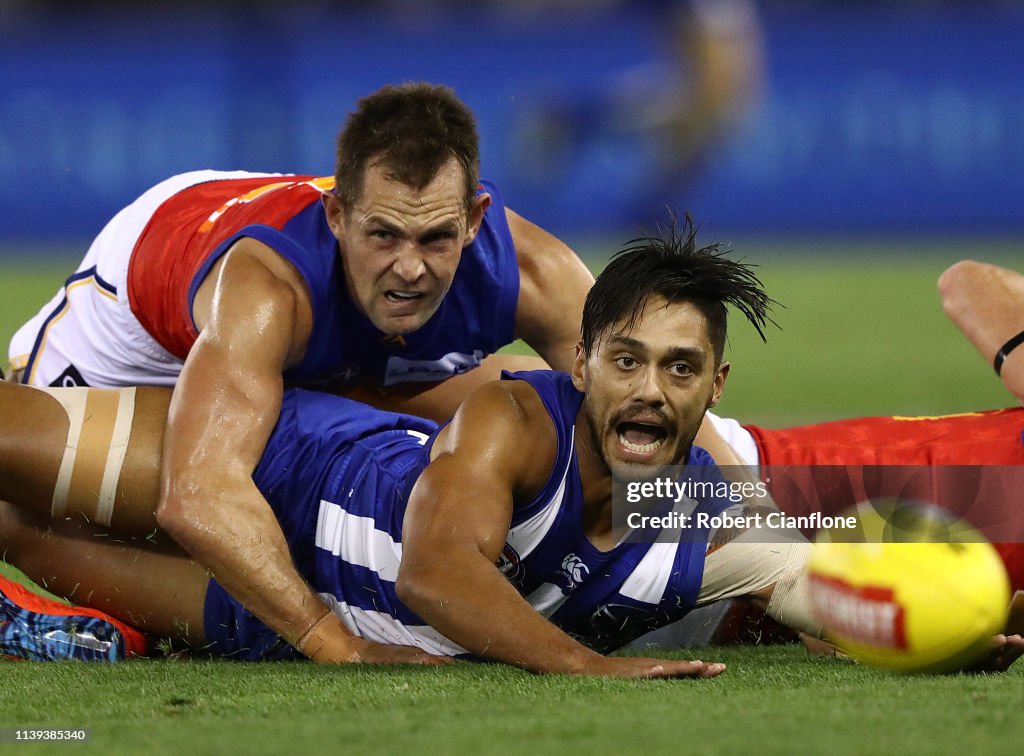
400,246
647,388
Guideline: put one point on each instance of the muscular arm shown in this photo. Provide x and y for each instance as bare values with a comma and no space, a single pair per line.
222,413
986,302
553,284
461,507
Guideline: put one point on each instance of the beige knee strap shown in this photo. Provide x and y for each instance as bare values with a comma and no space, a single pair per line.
100,425
755,560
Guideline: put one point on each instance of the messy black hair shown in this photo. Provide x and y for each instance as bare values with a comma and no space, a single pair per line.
669,264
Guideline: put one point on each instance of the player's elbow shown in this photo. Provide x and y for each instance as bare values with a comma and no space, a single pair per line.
418,586
177,514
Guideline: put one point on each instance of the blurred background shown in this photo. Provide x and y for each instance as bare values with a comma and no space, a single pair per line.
853,149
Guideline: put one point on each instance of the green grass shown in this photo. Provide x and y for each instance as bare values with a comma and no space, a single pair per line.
861,333
857,336
771,700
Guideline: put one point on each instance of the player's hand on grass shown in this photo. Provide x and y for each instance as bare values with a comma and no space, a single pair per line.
639,667
1004,650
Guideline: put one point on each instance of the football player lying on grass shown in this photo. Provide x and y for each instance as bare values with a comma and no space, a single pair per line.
491,536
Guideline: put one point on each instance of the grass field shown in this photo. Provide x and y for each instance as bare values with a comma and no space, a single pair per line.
862,333
772,700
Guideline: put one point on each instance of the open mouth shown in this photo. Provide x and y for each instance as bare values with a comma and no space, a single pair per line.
393,295
640,438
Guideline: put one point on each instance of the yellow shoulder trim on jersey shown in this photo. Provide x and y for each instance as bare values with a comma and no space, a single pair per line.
912,418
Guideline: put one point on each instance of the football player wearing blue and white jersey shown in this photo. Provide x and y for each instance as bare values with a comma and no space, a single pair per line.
491,536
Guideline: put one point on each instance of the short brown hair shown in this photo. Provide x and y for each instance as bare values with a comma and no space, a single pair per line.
412,129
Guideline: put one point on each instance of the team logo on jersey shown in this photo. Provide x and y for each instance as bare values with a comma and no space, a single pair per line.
511,565
574,571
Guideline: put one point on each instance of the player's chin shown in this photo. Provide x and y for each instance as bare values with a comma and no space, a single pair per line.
627,471
405,322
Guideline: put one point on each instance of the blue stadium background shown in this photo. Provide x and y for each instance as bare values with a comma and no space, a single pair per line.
871,119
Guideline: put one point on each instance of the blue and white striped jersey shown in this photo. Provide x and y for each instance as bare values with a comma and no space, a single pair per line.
338,475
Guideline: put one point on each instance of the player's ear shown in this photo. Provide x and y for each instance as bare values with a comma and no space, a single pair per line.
720,378
335,213
579,368
480,204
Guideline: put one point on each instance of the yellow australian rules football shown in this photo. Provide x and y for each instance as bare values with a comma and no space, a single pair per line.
909,589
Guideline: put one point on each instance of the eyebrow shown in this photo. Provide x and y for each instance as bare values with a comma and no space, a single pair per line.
675,353
449,226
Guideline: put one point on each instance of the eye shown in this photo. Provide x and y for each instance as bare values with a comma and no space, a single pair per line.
681,369
439,239
626,362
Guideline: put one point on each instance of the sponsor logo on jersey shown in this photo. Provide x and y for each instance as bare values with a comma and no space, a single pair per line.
69,378
575,571
401,370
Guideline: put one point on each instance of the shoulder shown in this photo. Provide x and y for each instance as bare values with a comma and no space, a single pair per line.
252,263
505,423
536,248
553,284
253,284
503,409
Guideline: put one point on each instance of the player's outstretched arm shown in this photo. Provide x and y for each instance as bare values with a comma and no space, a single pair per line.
501,446
222,413
986,302
553,283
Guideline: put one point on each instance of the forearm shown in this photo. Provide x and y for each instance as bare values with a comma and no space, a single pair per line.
234,534
469,601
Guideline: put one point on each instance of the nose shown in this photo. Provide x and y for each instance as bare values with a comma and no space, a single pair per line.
647,387
408,264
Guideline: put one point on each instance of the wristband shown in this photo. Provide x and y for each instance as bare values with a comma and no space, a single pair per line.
1005,350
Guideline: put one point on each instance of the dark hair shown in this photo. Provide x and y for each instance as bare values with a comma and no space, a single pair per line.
670,265
412,129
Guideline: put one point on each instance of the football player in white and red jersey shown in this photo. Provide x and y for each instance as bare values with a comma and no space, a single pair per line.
404,269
